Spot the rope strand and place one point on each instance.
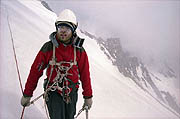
(15, 57)
(16, 62)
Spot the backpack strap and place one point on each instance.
(53, 60)
(75, 62)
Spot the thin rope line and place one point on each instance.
(15, 57)
(16, 62)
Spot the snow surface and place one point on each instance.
(115, 96)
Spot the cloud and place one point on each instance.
(148, 29)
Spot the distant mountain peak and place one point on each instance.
(132, 67)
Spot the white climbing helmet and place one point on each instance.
(67, 16)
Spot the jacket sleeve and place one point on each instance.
(83, 65)
(36, 72)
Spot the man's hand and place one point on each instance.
(88, 102)
(25, 101)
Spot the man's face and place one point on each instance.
(64, 33)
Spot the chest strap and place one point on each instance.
(53, 61)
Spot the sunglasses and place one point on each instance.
(64, 24)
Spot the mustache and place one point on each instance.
(63, 34)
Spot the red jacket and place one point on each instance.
(63, 53)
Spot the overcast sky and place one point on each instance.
(149, 29)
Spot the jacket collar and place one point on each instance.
(52, 37)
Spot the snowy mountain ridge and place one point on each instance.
(115, 96)
(133, 68)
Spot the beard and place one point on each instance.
(64, 38)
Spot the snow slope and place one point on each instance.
(115, 97)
